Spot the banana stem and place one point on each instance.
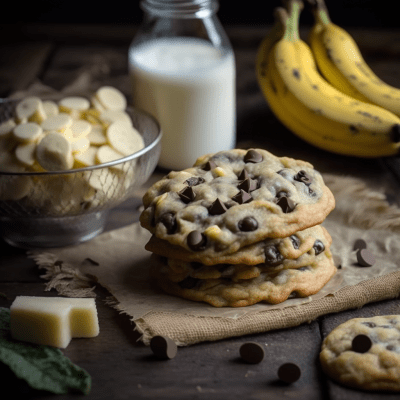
(320, 11)
(294, 8)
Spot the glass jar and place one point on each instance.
(183, 72)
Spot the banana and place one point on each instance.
(340, 61)
(312, 108)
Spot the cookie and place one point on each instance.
(234, 198)
(268, 251)
(376, 368)
(270, 286)
(180, 270)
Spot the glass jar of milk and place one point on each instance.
(183, 73)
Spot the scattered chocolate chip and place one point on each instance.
(361, 344)
(272, 255)
(242, 197)
(295, 241)
(188, 283)
(365, 258)
(187, 194)
(318, 247)
(302, 176)
(252, 352)
(287, 204)
(360, 244)
(209, 165)
(169, 221)
(248, 185)
(163, 347)
(289, 373)
(217, 207)
(196, 240)
(243, 175)
(253, 156)
(248, 224)
(195, 180)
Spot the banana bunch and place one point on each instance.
(310, 106)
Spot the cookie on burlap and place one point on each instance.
(268, 251)
(234, 198)
(270, 287)
(375, 369)
(276, 261)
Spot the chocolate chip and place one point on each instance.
(318, 247)
(243, 175)
(209, 165)
(188, 283)
(195, 180)
(360, 244)
(248, 224)
(365, 258)
(302, 176)
(252, 352)
(295, 241)
(163, 347)
(169, 221)
(196, 240)
(272, 255)
(187, 194)
(242, 197)
(248, 185)
(217, 207)
(289, 373)
(390, 347)
(361, 344)
(253, 156)
(287, 204)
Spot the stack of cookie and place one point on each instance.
(240, 227)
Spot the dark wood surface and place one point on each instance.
(121, 367)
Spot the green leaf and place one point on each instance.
(42, 367)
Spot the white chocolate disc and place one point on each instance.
(111, 98)
(57, 122)
(50, 108)
(97, 136)
(80, 145)
(30, 109)
(54, 152)
(7, 127)
(86, 158)
(25, 153)
(27, 132)
(110, 116)
(80, 129)
(74, 103)
(124, 139)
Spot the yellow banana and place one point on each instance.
(319, 113)
(341, 63)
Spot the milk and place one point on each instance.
(189, 87)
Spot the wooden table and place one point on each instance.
(121, 367)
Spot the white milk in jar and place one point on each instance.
(189, 86)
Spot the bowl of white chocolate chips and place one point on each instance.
(65, 164)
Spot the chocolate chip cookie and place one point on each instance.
(269, 286)
(364, 353)
(234, 198)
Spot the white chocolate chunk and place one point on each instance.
(50, 108)
(58, 122)
(54, 152)
(27, 132)
(7, 127)
(30, 110)
(126, 140)
(25, 153)
(111, 98)
(86, 158)
(97, 136)
(53, 321)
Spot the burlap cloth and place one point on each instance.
(117, 261)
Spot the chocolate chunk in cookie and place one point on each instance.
(169, 221)
(243, 175)
(248, 185)
(361, 343)
(272, 255)
(248, 224)
(217, 207)
(209, 165)
(242, 197)
(302, 176)
(196, 241)
(195, 180)
(318, 247)
(187, 194)
(286, 203)
(253, 156)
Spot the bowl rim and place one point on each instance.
(131, 157)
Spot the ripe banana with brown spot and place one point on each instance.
(340, 61)
(312, 108)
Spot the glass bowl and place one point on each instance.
(57, 209)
